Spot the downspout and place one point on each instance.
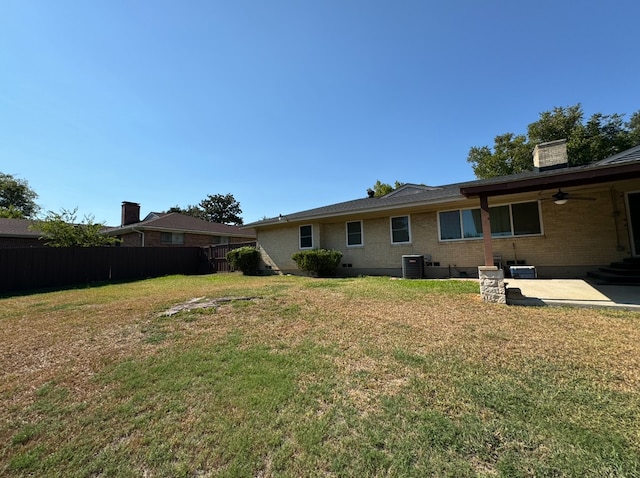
(141, 235)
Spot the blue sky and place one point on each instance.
(288, 105)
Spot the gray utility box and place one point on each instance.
(412, 267)
(523, 272)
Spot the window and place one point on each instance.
(521, 219)
(500, 221)
(450, 227)
(400, 230)
(471, 223)
(526, 219)
(354, 233)
(306, 237)
(172, 238)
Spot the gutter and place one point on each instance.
(141, 235)
(352, 212)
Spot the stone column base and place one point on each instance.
(492, 284)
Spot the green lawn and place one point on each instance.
(314, 377)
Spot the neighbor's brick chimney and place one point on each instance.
(130, 213)
(551, 155)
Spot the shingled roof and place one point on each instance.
(430, 195)
(176, 222)
(416, 195)
(629, 155)
(17, 228)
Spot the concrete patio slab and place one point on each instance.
(571, 292)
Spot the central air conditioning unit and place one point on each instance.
(412, 266)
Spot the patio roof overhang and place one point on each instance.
(569, 178)
(553, 179)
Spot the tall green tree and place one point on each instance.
(597, 138)
(511, 154)
(17, 199)
(634, 128)
(220, 208)
(382, 189)
(63, 230)
(190, 210)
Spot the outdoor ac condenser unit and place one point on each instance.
(412, 267)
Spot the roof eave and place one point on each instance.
(20, 235)
(128, 229)
(565, 179)
(354, 212)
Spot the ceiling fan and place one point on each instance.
(562, 197)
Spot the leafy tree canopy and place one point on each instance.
(63, 230)
(17, 199)
(220, 208)
(597, 138)
(382, 189)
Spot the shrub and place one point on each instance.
(245, 259)
(321, 262)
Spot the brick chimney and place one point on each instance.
(130, 213)
(551, 155)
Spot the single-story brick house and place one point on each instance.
(17, 233)
(565, 221)
(174, 230)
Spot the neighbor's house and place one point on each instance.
(564, 221)
(18, 233)
(174, 230)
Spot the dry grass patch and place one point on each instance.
(344, 377)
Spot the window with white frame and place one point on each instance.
(519, 219)
(306, 237)
(400, 230)
(176, 238)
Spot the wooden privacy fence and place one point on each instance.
(44, 267)
(217, 255)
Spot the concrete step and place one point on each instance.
(602, 278)
(619, 271)
(626, 265)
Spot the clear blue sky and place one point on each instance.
(288, 104)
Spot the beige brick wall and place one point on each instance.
(579, 234)
(277, 245)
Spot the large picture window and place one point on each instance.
(306, 237)
(354, 233)
(520, 219)
(400, 230)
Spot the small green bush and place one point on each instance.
(321, 262)
(246, 259)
